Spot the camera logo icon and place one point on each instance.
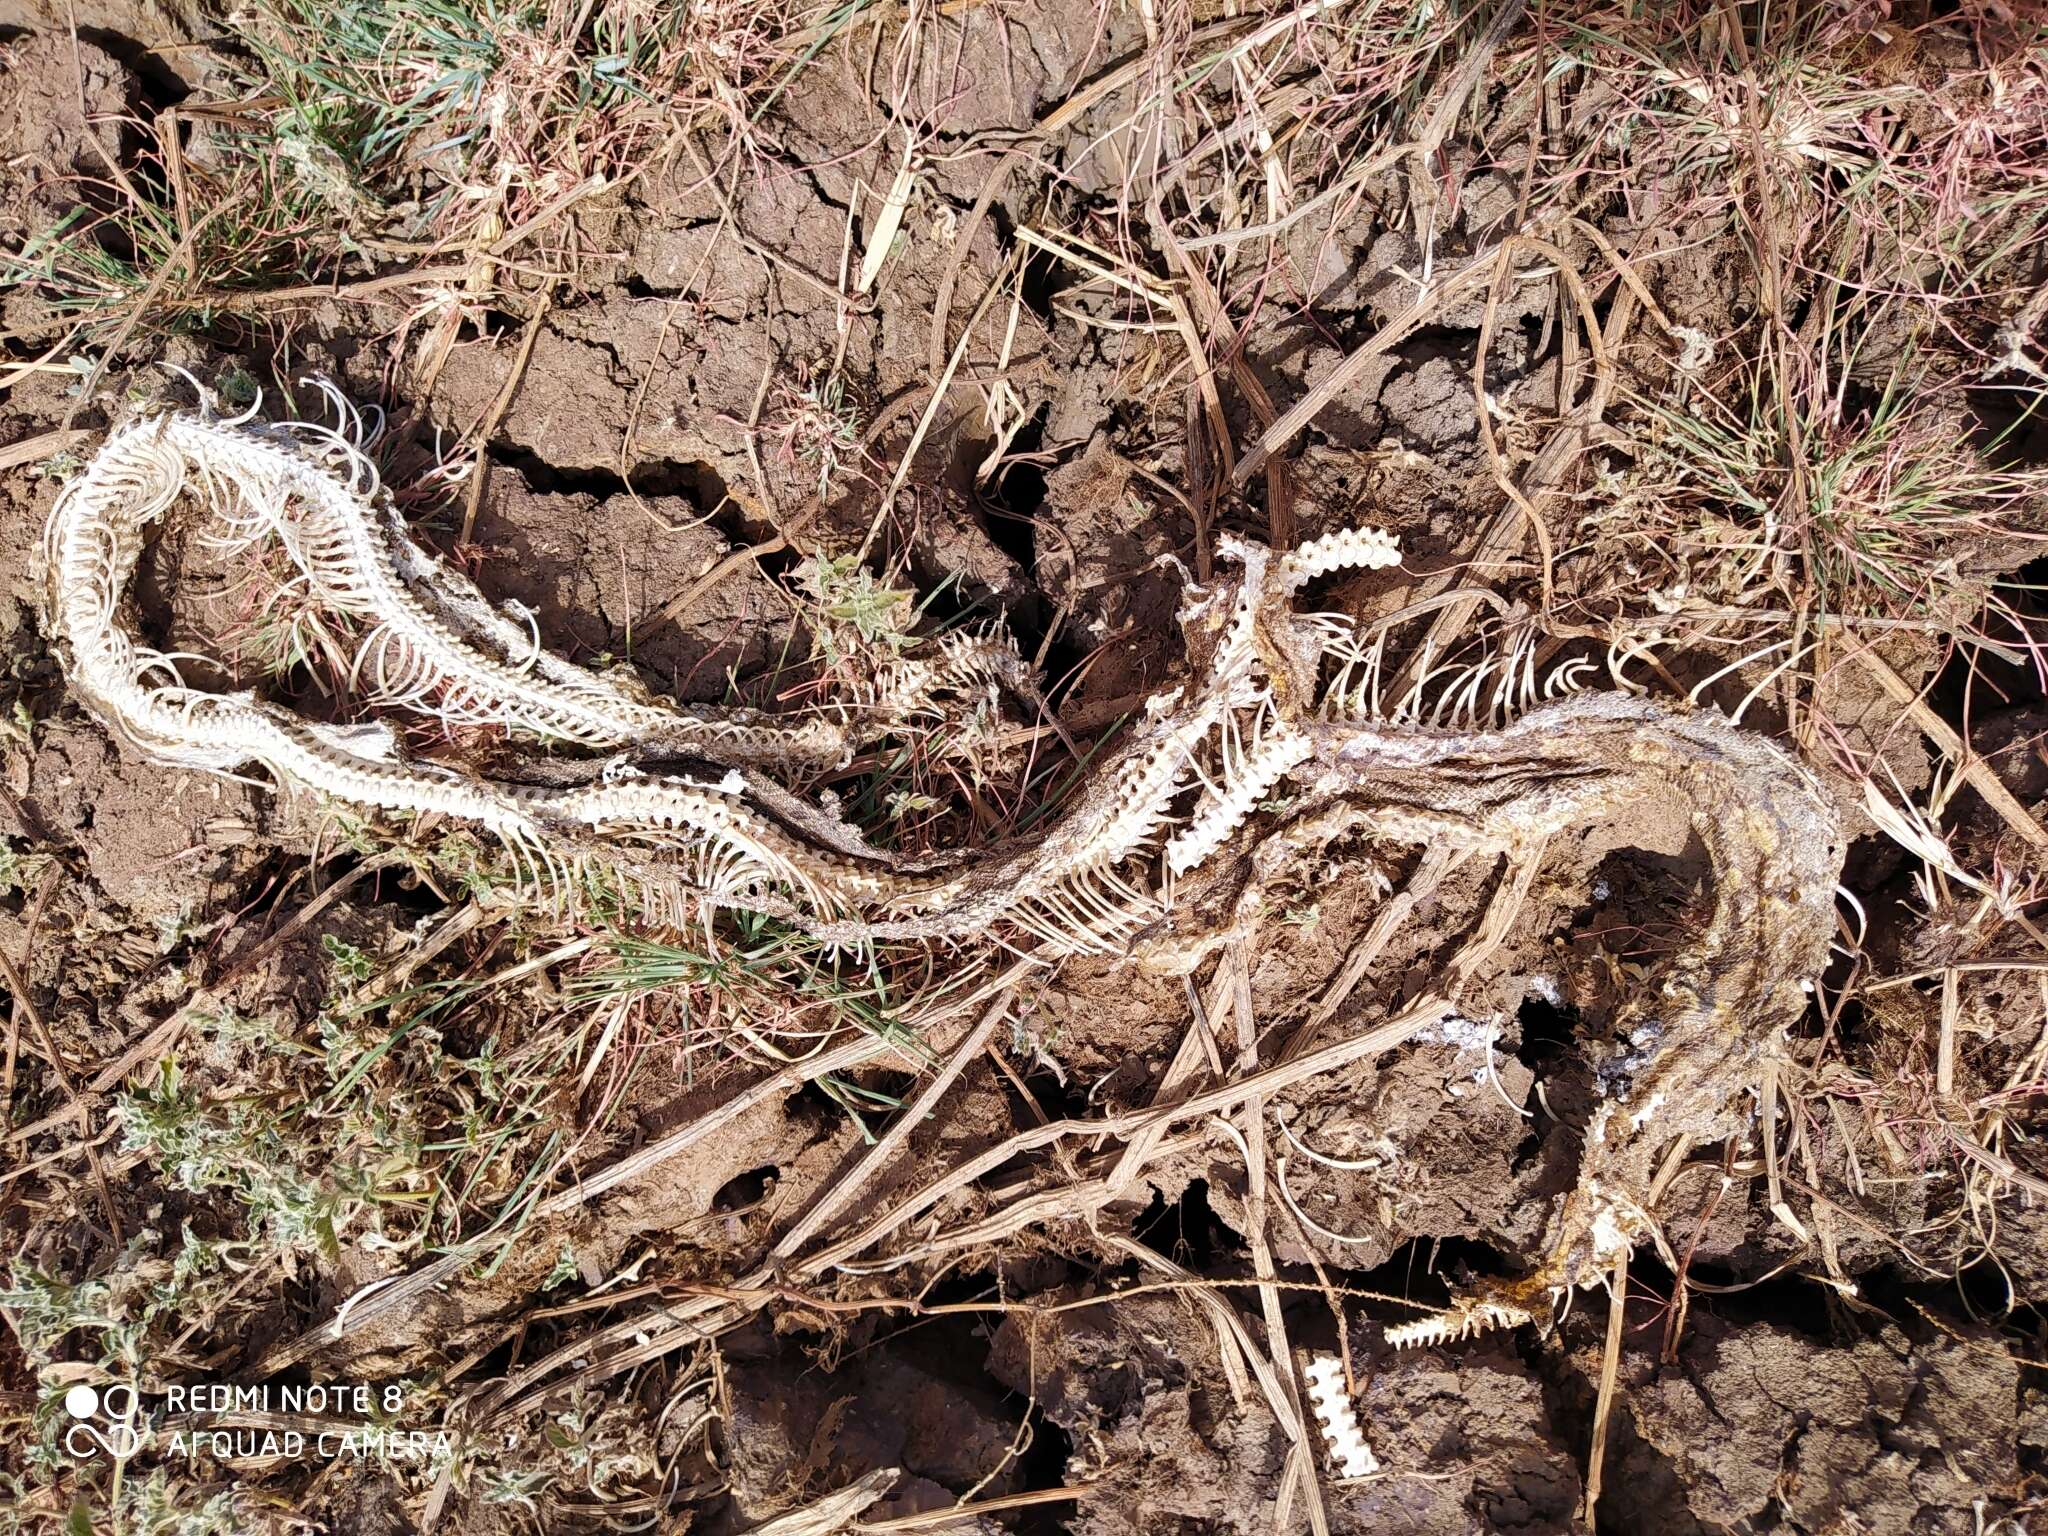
(104, 1421)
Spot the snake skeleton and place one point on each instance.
(684, 808)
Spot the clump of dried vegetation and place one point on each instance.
(1745, 307)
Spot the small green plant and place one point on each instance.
(21, 871)
(351, 965)
(45, 1310)
(599, 1446)
(566, 1269)
(240, 226)
(518, 1486)
(278, 626)
(241, 1147)
(819, 425)
(592, 1448)
(58, 468)
(485, 111)
(1863, 507)
(160, 1505)
(855, 606)
(118, 1309)
(765, 981)
(374, 121)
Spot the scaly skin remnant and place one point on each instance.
(1254, 724)
(1700, 1034)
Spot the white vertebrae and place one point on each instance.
(1346, 549)
(1461, 1320)
(1349, 1453)
(431, 643)
(1250, 781)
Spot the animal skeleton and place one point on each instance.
(1274, 698)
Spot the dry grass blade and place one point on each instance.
(1446, 287)
(713, 1018)
(1603, 1409)
(1976, 772)
(834, 1200)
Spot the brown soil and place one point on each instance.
(643, 427)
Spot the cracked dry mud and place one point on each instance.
(632, 464)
